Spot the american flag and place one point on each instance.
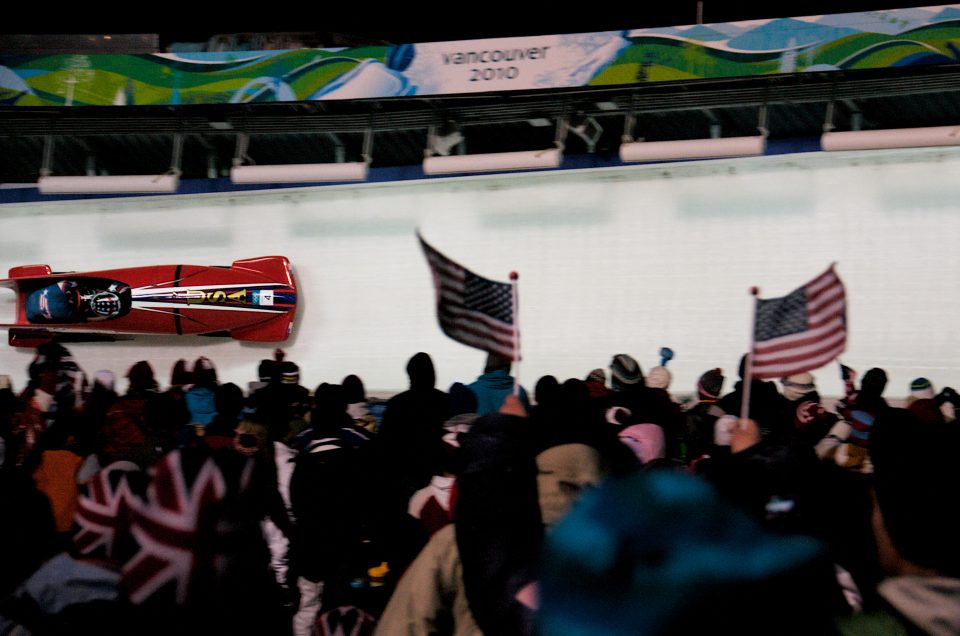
(801, 331)
(473, 310)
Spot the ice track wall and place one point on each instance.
(610, 260)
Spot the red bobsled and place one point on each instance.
(254, 299)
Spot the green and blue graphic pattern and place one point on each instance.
(848, 42)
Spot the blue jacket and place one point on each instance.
(200, 403)
(492, 388)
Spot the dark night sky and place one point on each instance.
(428, 20)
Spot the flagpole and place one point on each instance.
(516, 334)
(748, 363)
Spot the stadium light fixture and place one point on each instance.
(110, 184)
(546, 158)
(890, 138)
(164, 183)
(494, 162)
(639, 151)
(713, 147)
(299, 172)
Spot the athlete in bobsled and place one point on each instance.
(68, 301)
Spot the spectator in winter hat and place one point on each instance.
(624, 371)
(597, 384)
(798, 386)
(702, 417)
(811, 421)
(659, 378)
(294, 394)
(289, 372)
(626, 382)
(921, 389)
(710, 385)
(923, 403)
(631, 401)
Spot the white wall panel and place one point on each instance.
(610, 260)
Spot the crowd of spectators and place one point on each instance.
(599, 505)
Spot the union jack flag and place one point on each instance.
(176, 528)
(104, 506)
(345, 620)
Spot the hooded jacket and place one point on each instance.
(412, 426)
(492, 388)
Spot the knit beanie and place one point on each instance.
(289, 373)
(625, 370)
(659, 378)
(597, 375)
(710, 384)
(921, 389)
(796, 386)
(596, 383)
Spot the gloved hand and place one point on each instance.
(948, 394)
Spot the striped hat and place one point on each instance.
(289, 373)
(921, 389)
(710, 384)
(625, 370)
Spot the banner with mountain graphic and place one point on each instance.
(847, 42)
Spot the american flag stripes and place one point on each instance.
(801, 331)
(471, 309)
